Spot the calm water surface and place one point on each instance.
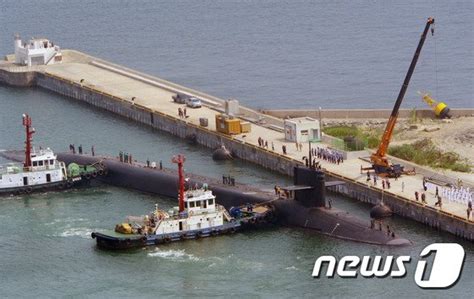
(264, 53)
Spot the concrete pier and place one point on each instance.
(147, 100)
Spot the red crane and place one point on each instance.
(179, 159)
(29, 138)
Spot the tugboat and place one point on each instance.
(41, 170)
(197, 216)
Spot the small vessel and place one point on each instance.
(41, 170)
(197, 216)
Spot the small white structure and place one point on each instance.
(38, 51)
(302, 129)
(232, 107)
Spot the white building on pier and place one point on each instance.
(38, 51)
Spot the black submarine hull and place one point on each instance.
(309, 213)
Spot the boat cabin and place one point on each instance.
(199, 200)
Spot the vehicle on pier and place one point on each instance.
(41, 170)
(197, 216)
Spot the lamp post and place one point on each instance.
(320, 123)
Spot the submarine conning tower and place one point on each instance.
(309, 189)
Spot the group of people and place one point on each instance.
(228, 180)
(72, 149)
(459, 195)
(299, 146)
(125, 157)
(385, 182)
(326, 154)
(281, 193)
(264, 143)
(422, 196)
(182, 112)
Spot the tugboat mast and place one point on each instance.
(29, 139)
(179, 159)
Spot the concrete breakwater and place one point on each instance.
(81, 81)
(164, 122)
(417, 211)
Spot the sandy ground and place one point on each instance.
(456, 135)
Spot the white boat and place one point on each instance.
(40, 170)
(45, 171)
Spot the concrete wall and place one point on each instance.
(362, 113)
(19, 79)
(428, 215)
(175, 126)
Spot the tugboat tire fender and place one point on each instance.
(94, 174)
(213, 232)
(101, 172)
(93, 235)
(166, 239)
(29, 190)
(87, 176)
(69, 184)
(62, 185)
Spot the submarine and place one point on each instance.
(305, 204)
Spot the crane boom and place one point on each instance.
(378, 158)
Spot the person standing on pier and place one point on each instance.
(469, 209)
(180, 112)
(439, 202)
(184, 112)
(375, 180)
(130, 159)
(403, 186)
(283, 148)
(273, 146)
(368, 177)
(121, 156)
(423, 198)
(148, 163)
(80, 149)
(383, 184)
(416, 195)
(388, 183)
(93, 151)
(161, 165)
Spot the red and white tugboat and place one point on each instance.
(40, 170)
(198, 215)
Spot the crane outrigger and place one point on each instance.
(379, 160)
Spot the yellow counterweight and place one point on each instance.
(440, 109)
